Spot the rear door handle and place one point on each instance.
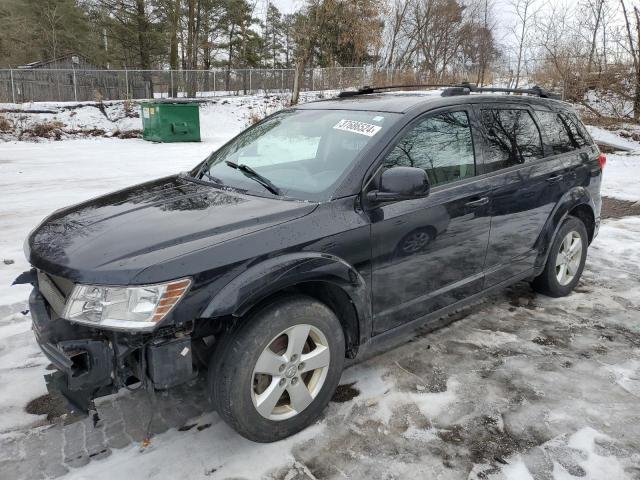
(555, 178)
(477, 203)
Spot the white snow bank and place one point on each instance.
(621, 177)
(611, 139)
(220, 117)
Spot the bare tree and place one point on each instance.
(53, 22)
(525, 11)
(596, 8)
(633, 48)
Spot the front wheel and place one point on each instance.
(274, 375)
(566, 260)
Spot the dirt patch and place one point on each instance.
(51, 405)
(521, 295)
(606, 149)
(546, 341)
(486, 442)
(345, 393)
(128, 134)
(419, 374)
(614, 208)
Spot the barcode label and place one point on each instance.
(354, 126)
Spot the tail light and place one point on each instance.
(602, 160)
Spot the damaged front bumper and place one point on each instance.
(92, 362)
(84, 360)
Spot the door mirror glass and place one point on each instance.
(401, 183)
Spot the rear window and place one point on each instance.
(556, 132)
(513, 138)
(577, 133)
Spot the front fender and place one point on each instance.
(570, 200)
(278, 273)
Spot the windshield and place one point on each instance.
(301, 154)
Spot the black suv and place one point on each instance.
(307, 239)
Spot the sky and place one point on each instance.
(287, 6)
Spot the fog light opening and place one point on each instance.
(79, 362)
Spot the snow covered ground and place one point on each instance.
(521, 387)
(68, 120)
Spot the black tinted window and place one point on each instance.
(556, 131)
(513, 138)
(578, 135)
(441, 144)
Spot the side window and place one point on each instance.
(513, 138)
(556, 132)
(441, 144)
(579, 136)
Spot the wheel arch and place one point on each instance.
(585, 213)
(323, 277)
(576, 202)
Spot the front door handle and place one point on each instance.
(477, 203)
(555, 178)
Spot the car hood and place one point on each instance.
(110, 239)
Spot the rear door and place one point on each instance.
(429, 253)
(526, 186)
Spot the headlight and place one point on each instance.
(135, 308)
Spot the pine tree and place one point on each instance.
(272, 37)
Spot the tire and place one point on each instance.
(551, 281)
(243, 396)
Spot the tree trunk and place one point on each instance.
(522, 40)
(636, 98)
(230, 58)
(298, 80)
(191, 35)
(143, 47)
(634, 55)
(592, 51)
(173, 46)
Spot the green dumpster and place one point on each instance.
(171, 121)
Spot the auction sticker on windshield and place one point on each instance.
(354, 126)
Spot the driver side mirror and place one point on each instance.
(400, 183)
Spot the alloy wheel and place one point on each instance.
(568, 258)
(290, 372)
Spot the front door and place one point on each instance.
(429, 253)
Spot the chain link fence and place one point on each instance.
(42, 85)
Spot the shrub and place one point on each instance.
(47, 129)
(5, 124)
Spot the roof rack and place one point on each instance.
(367, 90)
(451, 90)
(470, 87)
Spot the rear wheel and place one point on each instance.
(566, 260)
(274, 375)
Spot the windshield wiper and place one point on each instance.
(251, 173)
(211, 177)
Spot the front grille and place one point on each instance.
(52, 293)
(64, 285)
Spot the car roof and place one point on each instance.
(404, 102)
